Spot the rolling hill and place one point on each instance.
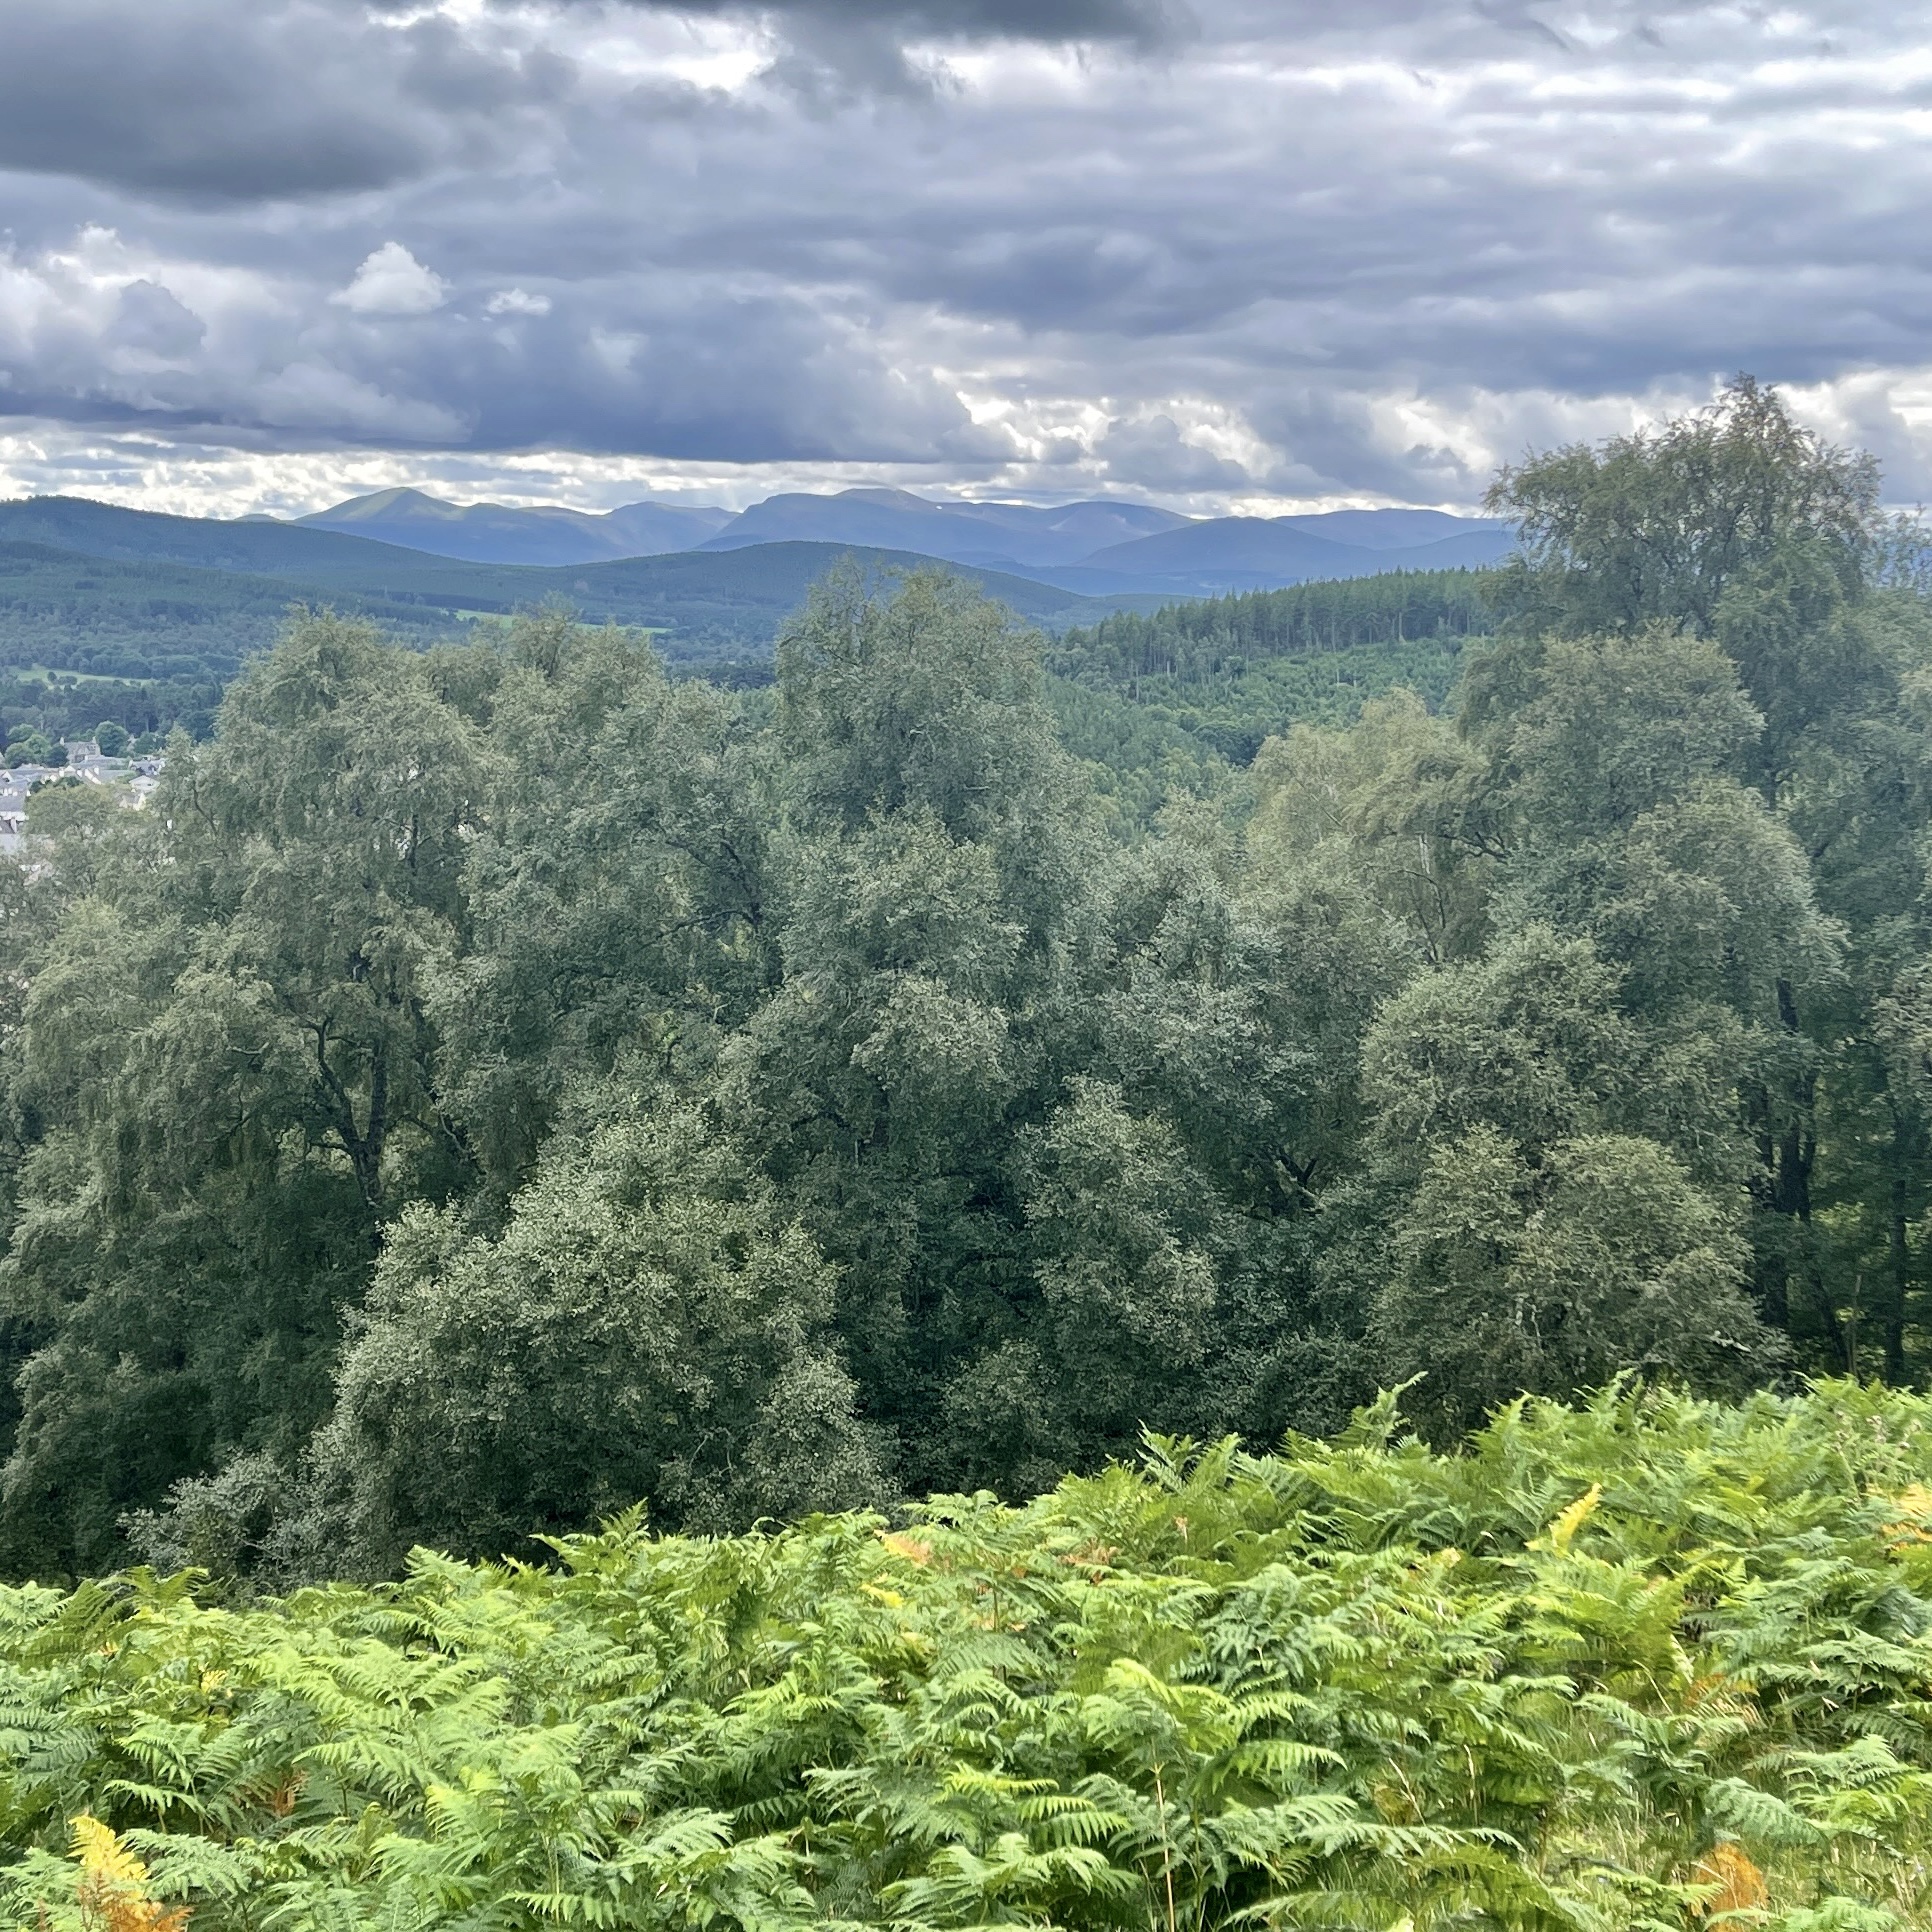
(1265, 553)
(111, 592)
(256, 545)
(1392, 529)
(502, 533)
(740, 595)
(117, 618)
(1011, 536)
(1094, 548)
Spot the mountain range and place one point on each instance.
(1097, 549)
(106, 591)
(500, 533)
(98, 590)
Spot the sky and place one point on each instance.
(1224, 255)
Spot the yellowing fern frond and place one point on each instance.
(112, 1887)
(1569, 1521)
(1737, 1884)
(1912, 1514)
(103, 1859)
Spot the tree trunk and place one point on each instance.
(1898, 1272)
(1796, 1154)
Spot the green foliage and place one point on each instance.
(1639, 1664)
(226, 1059)
(132, 621)
(1190, 641)
(645, 1327)
(1155, 701)
(1515, 1273)
(1730, 510)
(1403, 804)
(66, 704)
(30, 747)
(617, 889)
(494, 1083)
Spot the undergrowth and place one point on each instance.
(1647, 1662)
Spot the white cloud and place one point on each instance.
(392, 281)
(517, 301)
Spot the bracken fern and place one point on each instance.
(1647, 1662)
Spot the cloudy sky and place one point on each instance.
(1219, 254)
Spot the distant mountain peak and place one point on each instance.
(545, 534)
(881, 493)
(379, 502)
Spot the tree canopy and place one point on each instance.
(490, 1085)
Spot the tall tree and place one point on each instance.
(647, 1328)
(936, 866)
(1734, 502)
(230, 1065)
(1737, 526)
(616, 889)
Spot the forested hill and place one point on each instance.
(127, 630)
(1215, 679)
(178, 586)
(248, 546)
(1189, 641)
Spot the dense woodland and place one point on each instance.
(495, 1085)
(150, 624)
(1208, 683)
(142, 620)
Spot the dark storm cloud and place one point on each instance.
(770, 378)
(241, 102)
(1051, 21)
(830, 53)
(1246, 245)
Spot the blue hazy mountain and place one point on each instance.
(996, 535)
(1099, 548)
(507, 534)
(1175, 558)
(1394, 529)
(989, 535)
(1222, 554)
